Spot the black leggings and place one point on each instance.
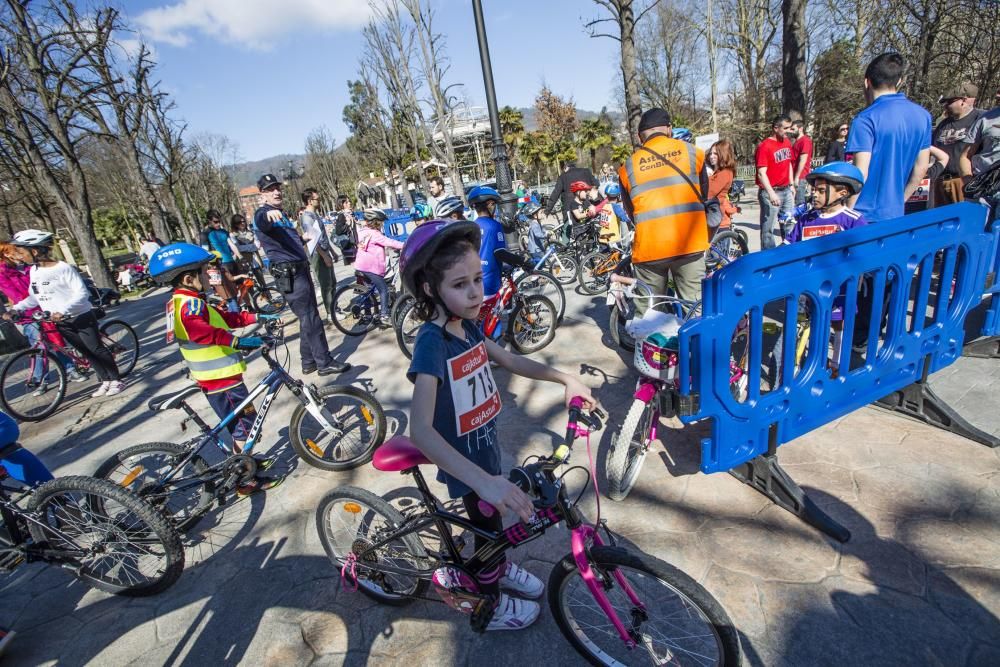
(489, 580)
(81, 332)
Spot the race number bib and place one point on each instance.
(473, 390)
(170, 321)
(816, 231)
(214, 276)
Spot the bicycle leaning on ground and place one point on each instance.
(615, 606)
(333, 428)
(33, 381)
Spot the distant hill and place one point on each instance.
(247, 173)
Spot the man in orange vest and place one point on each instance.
(663, 189)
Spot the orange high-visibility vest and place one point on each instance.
(669, 217)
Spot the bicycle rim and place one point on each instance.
(532, 324)
(677, 630)
(121, 340)
(355, 309)
(20, 392)
(406, 330)
(358, 427)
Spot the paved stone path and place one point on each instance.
(918, 584)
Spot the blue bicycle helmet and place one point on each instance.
(172, 260)
(843, 173)
(683, 134)
(483, 193)
(613, 190)
(448, 206)
(9, 430)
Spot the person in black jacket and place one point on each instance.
(570, 174)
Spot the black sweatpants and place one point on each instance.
(489, 581)
(81, 332)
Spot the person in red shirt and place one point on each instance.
(775, 184)
(802, 155)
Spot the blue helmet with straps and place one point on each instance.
(613, 190)
(172, 260)
(483, 193)
(683, 134)
(843, 173)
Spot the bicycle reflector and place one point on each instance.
(353, 508)
(316, 449)
(129, 478)
(367, 414)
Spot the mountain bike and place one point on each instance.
(107, 537)
(357, 305)
(530, 277)
(559, 262)
(595, 269)
(657, 392)
(333, 428)
(528, 321)
(33, 381)
(614, 605)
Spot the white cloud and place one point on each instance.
(251, 23)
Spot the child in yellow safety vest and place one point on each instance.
(207, 343)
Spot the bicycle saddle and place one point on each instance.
(361, 278)
(171, 401)
(398, 453)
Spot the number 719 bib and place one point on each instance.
(473, 390)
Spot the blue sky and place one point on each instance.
(229, 64)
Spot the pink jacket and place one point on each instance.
(14, 284)
(371, 250)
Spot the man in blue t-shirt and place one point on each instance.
(485, 200)
(890, 141)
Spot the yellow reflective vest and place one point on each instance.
(206, 362)
(668, 215)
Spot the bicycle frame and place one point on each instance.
(12, 514)
(552, 509)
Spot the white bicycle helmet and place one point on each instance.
(32, 238)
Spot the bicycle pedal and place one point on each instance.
(483, 613)
(10, 559)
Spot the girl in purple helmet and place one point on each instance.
(456, 399)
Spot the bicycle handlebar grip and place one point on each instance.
(576, 403)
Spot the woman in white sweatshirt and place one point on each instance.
(56, 287)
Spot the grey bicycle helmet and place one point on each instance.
(375, 214)
(448, 206)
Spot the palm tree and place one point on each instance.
(534, 151)
(620, 153)
(592, 135)
(512, 129)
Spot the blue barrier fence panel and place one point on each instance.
(991, 325)
(922, 273)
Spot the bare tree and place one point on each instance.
(622, 14)
(748, 33)
(794, 41)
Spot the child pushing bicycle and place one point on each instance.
(456, 400)
(207, 343)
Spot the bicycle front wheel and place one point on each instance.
(355, 309)
(726, 247)
(628, 450)
(350, 521)
(118, 543)
(678, 622)
(358, 427)
(120, 338)
(594, 272)
(141, 468)
(563, 267)
(619, 334)
(544, 284)
(532, 324)
(407, 328)
(268, 301)
(33, 384)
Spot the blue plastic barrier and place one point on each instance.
(991, 325)
(901, 260)
(395, 226)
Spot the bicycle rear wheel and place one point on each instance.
(544, 284)
(355, 309)
(119, 543)
(407, 328)
(25, 398)
(679, 622)
(120, 338)
(358, 428)
(349, 521)
(532, 324)
(726, 247)
(140, 469)
(268, 301)
(628, 450)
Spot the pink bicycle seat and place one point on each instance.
(398, 453)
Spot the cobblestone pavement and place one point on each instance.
(918, 584)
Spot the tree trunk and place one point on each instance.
(793, 57)
(630, 76)
(712, 76)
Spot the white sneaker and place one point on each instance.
(42, 388)
(115, 387)
(513, 614)
(521, 582)
(102, 390)
(74, 376)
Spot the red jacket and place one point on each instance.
(194, 317)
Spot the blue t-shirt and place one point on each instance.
(894, 130)
(278, 239)
(219, 240)
(493, 239)
(463, 372)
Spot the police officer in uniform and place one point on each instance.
(290, 268)
(664, 184)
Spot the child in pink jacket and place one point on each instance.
(371, 258)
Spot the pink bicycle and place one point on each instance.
(614, 605)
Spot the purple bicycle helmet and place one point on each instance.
(426, 239)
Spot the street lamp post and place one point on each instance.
(508, 200)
